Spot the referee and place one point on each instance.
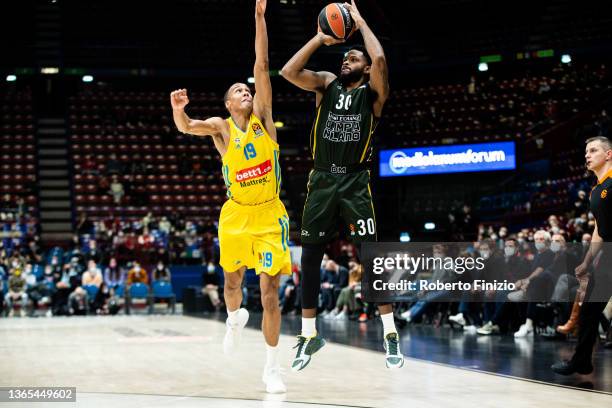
(598, 160)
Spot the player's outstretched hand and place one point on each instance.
(355, 15)
(260, 7)
(179, 99)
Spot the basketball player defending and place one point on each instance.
(253, 225)
(348, 109)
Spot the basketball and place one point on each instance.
(335, 20)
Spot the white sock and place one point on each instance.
(232, 317)
(388, 323)
(529, 323)
(272, 356)
(309, 327)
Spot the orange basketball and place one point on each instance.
(335, 20)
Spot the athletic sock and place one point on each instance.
(232, 317)
(309, 328)
(272, 356)
(388, 323)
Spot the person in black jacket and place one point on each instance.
(512, 267)
(335, 277)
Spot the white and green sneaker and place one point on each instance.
(394, 358)
(306, 347)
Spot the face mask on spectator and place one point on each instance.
(160, 267)
(555, 246)
(586, 244)
(509, 251)
(520, 240)
(555, 230)
(540, 245)
(137, 268)
(211, 268)
(485, 254)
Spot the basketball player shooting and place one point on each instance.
(253, 225)
(348, 108)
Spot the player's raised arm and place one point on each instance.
(379, 72)
(262, 102)
(209, 127)
(294, 70)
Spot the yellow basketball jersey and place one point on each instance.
(251, 166)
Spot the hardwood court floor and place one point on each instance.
(163, 361)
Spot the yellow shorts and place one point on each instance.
(255, 236)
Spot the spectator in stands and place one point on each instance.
(89, 165)
(103, 185)
(39, 293)
(91, 251)
(471, 301)
(93, 275)
(100, 303)
(16, 292)
(116, 190)
(114, 276)
(78, 302)
(335, 277)
(289, 296)
(543, 260)
(439, 274)
(137, 275)
(84, 225)
(581, 204)
(471, 88)
(210, 285)
(161, 273)
(512, 268)
(113, 166)
(346, 304)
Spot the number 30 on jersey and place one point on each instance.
(344, 101)
(366, 227)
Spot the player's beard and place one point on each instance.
(350, 77)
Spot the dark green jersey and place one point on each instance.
(341, 136)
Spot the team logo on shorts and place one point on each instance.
(604, 193)
(257, 129)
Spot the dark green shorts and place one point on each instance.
(334, 196)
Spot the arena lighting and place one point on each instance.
(566, 58)
(483, 66)
(404, 237)
(87, 78)
(279, 124)
(11, 78)
(251, 80)
(49, 70)
(430, 226)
